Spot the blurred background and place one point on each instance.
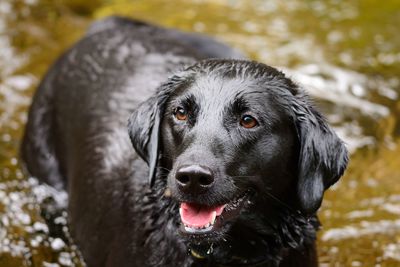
(345, 53)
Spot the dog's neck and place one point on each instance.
(287, 230)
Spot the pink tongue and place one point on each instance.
(198, 215)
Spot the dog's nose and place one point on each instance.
(194, 178)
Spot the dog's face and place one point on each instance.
(227, 144)
(234, 137)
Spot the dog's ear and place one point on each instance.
(144, 124)
(323, 156)
(143, 129)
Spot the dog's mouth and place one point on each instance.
(202, 219)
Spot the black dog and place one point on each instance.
(238, 156)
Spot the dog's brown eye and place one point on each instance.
(180, 114)
(248, 121)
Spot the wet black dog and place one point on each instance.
(237, 156)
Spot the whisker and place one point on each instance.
(163, 168)
(282, 202)
(239, 176)
(277, 199)
(165, 155)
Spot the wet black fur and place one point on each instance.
(77, 139)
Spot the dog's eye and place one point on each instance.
(248, 121)
(180, 114)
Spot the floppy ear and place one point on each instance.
(143, 129)
(144, 124)
(323, 156)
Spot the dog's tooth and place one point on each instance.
(180, 212)
(189, 229)
(167, 192)
(214, 216)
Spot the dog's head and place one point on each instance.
(237, 137)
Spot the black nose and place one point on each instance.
(194, 178)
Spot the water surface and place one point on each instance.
(345, 53)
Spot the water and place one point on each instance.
(345, 53)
